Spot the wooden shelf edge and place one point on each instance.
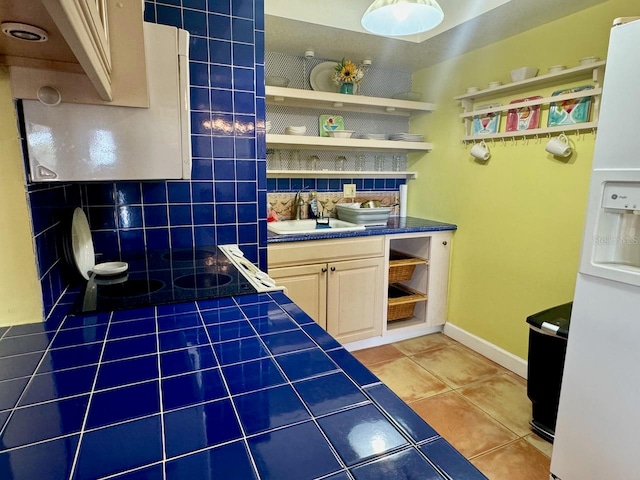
(533, 132)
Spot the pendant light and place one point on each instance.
(402, 17)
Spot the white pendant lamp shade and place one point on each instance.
(402, 17)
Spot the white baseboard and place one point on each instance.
(508, 360)
(391, 336)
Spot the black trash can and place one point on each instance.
(548, 335)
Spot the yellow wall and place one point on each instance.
(521, 215)
(20, 298)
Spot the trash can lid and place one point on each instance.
(554, 321)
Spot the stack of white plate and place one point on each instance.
(374, 136)
(407, 137)
(267, 126)
(292, 130)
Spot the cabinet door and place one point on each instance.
(355, 297)
(307, 287)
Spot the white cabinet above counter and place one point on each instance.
(95, 55)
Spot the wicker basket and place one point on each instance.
(402, 265)
(401, 302)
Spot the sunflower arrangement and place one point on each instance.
(348, 72)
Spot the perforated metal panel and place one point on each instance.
(377, 82)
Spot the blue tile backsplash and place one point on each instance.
(225, 200)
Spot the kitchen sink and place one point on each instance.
(297, 227)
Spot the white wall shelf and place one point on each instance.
(539, 132)
(305, 142)
(293, 97)
(593, 71)
(564, 76)
(530, 103)
(337, 174)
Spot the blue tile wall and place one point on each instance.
(51, 209)
(275, 185)
(225, 200)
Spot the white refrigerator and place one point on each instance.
(598, 428)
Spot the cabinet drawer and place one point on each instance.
(329, 250)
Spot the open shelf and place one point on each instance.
(293, 97)
(330, 143)
(564, 76)
(577, 127)
(592, 71)
(530, 103)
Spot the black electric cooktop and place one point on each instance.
(159, 277)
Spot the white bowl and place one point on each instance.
(557, 68)
(273, 81)
(523, 73)
(473, 89)
(495, 84)
(588, 60)
(340, 133)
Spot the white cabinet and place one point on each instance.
(107, 39)
(593, 71)
(345, 297)
(354, 303)
(343, 284)
(430, 278)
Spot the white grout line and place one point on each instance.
(233, 405)
(86, 413)
(304, 404)
(162, 426)
(31, 376)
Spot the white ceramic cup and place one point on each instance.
(556, 68)
(559, 146)
(480, 151)
(588, 60)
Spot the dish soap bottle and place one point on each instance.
(313, 205)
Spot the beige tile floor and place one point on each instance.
(481, 408)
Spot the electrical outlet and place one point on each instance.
(349, 190)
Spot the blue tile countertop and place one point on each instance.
(244, 387)
(394, 225)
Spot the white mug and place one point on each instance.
(559, 146)
(481, 151)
